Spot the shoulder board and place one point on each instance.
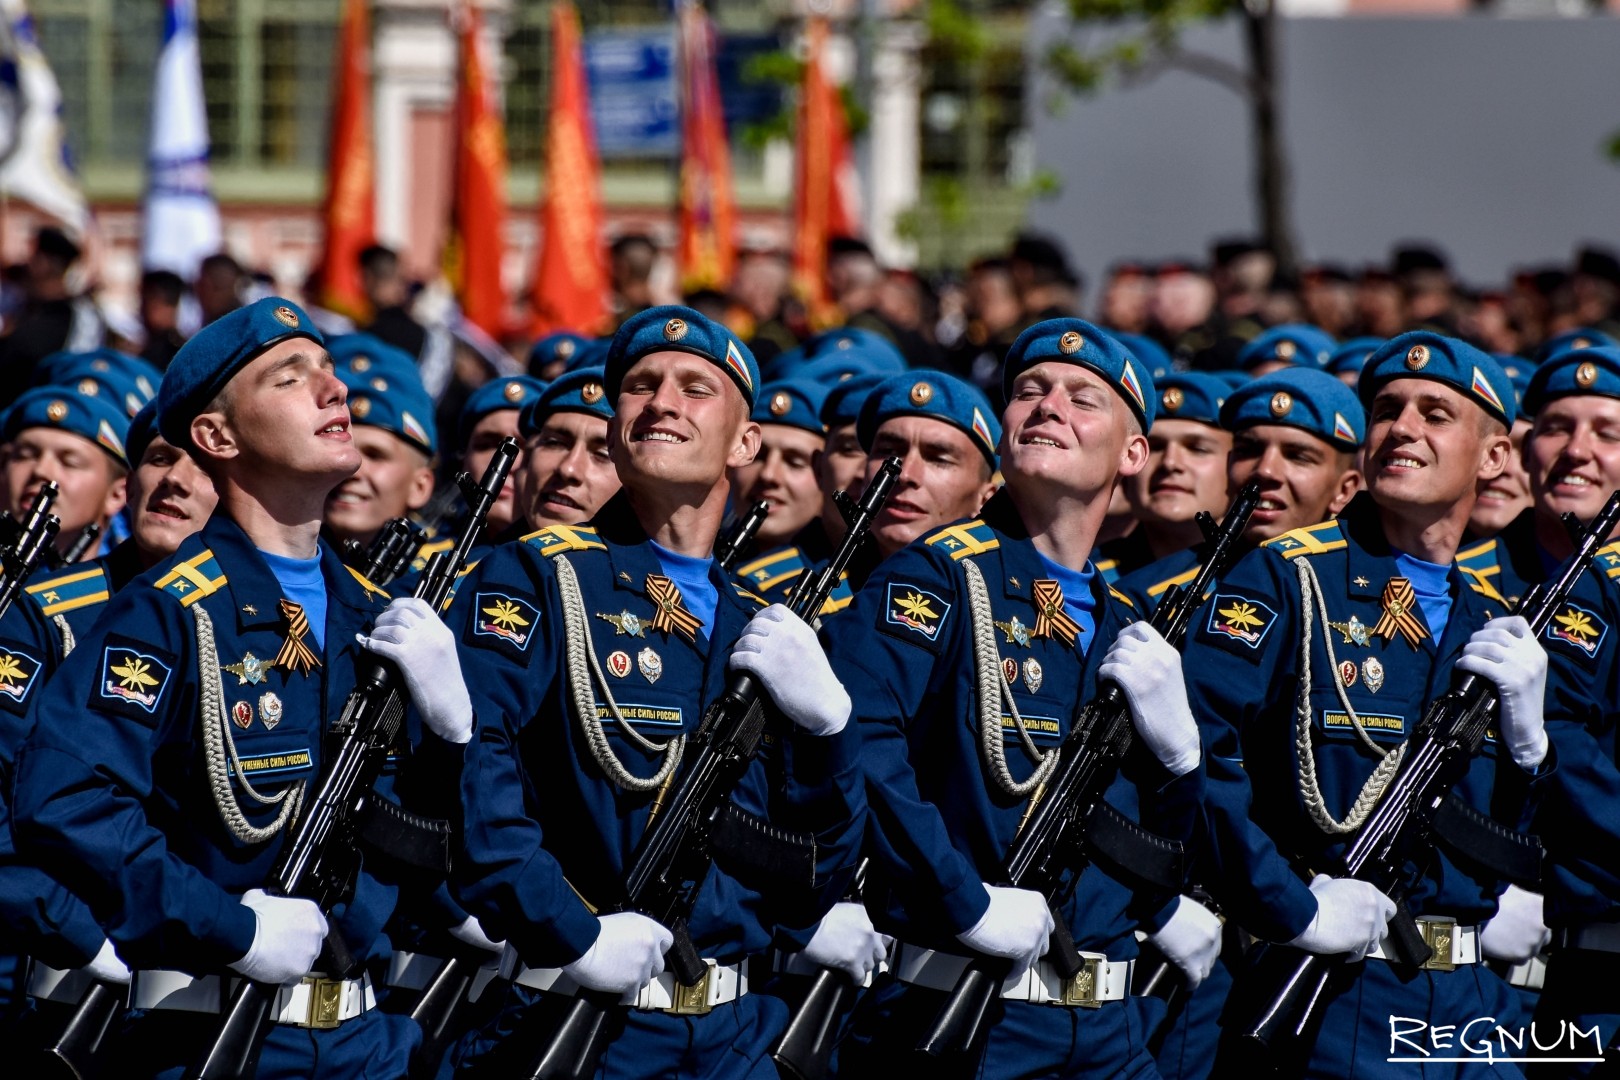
(1485, 589)
(433, 547)
(771, 570)
(968, 538)
(190, 581)
(751, 597)
(70, 590)
(1480, 555)
(1608, 559)
(1311, 540)
(1180, 579)
(1108, 568)
(557, 539)
(366, 583)
(1121, 597)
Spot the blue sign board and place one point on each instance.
(634, 100)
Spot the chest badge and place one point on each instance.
(242, 715)
(672, 615)
(1578, 627)
(1355, 631)
(650, 664)
(1033, 675)
(618, 663)
(1050, 618)
(1400, 613)
(250, 671)
(1347, 672)
(1017, 633)
(625, 623)
(1009, 669)
(270, 709)
(1372, 672)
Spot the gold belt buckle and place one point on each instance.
(325, 1003)
(1082, 991)
(1438, 935)
(693, 1000)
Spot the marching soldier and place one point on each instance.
(1314, 662)
(167, 760)
(491, 415)
(1289, 345)
(789, 417)
(394, 432)
(974, 647)
(568, 474)
(56, 433)
(592, 651)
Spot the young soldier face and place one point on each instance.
(1302, 479)
(92, 484)
(1573, 455)
(481, 446)
(286, 415)
(841, 466)
(943, 477)
(679, 421)
(1186, 472)
(1066, 428)
(393, 477)
(783, 474)
(169, 498)
(1428, 446)
(1503, 499)
(568, 472)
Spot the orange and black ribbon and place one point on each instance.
(1400, 613)
(294, 654)
(670, 613)
(1050, 618)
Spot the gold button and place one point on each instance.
(922, 394)
(1281, 402)
(1286, 349)
(564, 349)
(361, 364)
(1070, 343)
(1417, 357)
(1581, 343)
(287, 316)
(380, 384)
(88, 387)
(675, 329)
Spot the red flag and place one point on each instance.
(825, 190)
(571, 279)
(349, 211)
(472, 254)
(708, 214)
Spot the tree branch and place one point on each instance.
(1216, 70)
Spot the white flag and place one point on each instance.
(34, 162)
(181, 225)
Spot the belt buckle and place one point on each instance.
(325, 1003)
(1439, 934)
(693, 1000)
(1084, 989)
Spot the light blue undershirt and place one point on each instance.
(1077, 598)
(302, 583)
(1429, 582)
(691, 576)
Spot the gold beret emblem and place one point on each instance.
(1173, 397)
(513, 391)
(675, 329)
(379, 384)
(846, 343)
(565, 349)
(922, 394)
(287, 317)
(1581, 343)
(591, 393)
(1070, 343)
(88, 387)
(100, 365)
(1286, 350)
(1417, 357)
(361, 364)
(1281, 402)
(360, 407)
(56, 411)
(1586, 374)
(780, 403)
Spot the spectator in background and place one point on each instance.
(1380, 305)
(1127, 299)
(219, 286)
(161, 292)
(1048, 287)
(994, 317)
(1596, 287)
(1488, 322)
(761, 288)
(1425, 281)
(631, 260)
(389, 294)
(1329, 297)
(45, 321)
(1183, 311)
(1242, 273)
(856, 282)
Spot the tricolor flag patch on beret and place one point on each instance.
(1342, 428)
(413, 428)
(106, 436)
(1482, 387)
(981, 428)
(1128, 379)
(735, 362)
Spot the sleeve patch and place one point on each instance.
(1234, 618)
(1579, 629)
(134, 676)
(912, 610)
(503, 620)
(19, 669)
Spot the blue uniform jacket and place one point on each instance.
(112, 790)
(940, 826)
(1243, 674)
(1144, 587)
(774, 574)
(545, 830)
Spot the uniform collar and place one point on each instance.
(1371, 564)
(254, 592)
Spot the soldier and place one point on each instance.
(168, 827)
(393, 429)
(789, 417)
(128, 381)
(568, 474)
(1314, 662)
(77, 440)
(974, 647)
(1350, 357)
(592, 651)
(491, 415)
(1290, 345)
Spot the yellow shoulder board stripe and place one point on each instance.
(1311, 540)
(1105, 565)
(193, 579)
(835, 604)
(1484, 547)
(1484, 589)
(1121, 597)
(969, 538)
(366, 583)
(1609, 559)
(746, 595)
(765, 562)
(70, 591)
(433, 547)
(1180, 579)
(556, 539)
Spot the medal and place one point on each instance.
(1009, 669)
(1373, 672)
(1400, 613)
(1050, 618)
(1017, 633)
(1347, 673)
(624, 623)
(1355, 631)
(242, 715)
(270, 709)
(1033, 675)
(250, 671)
(618, 663)
(650, 665)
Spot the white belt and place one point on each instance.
(1530, 975)
(311, 1002)
(1098, 981)
(1452, 944)
(54, 984)
(414, 971)
(796, 963)
(720, 983)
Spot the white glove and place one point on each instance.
(106, 966)
(847, 942)
(1505, 652)
(1017, 925)
(780, 650)
(413, 636)
(472, 933)
(1351, 917)
(627, 955)
(287, 939)
(1148, 669)
(1516, 932)
(1191, 939)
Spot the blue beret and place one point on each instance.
(1424, 354)
(1594, 370)
(843, 402)
(1519, 371)
(1585, 337)
(65, 409)
(887, 356)
(573, 391)
(501, 392)
(142, 430)
(783, 364)
(1351, 356)
(127, 380)
(592, 354)
(398, 406)
(672, 328)
(1232, 377)
(202, 367)
(1292, 343)
(554, 347)
(1303, 398)
(1191, 395)
(791, 403)
(367, 355)
(937, 396)
(1150, 352)
(1075, 341)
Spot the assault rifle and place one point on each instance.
(319, 863)
(390, 552)
(26, 542)
(1064, 830)
(1286, 989)
(673, 858)
(728, 550)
